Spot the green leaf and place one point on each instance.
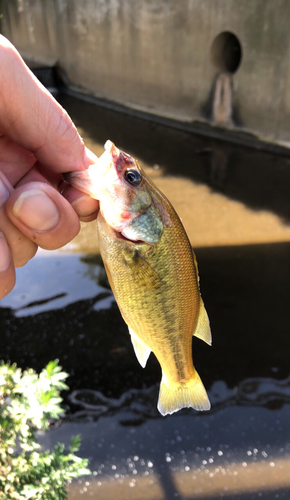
(27, 401)
(29, 491)
(75, 443)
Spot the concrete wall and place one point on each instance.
(158, 56)
(31, 25)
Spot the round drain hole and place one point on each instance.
(226, 52)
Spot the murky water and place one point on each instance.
(234, 203)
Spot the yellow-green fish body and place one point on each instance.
(153, 274)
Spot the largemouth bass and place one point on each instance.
(152, 271)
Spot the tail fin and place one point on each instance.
(191, 394)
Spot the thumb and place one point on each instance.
(42, 215)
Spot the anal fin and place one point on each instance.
(141, 350)
(202, 330)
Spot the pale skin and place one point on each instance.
(38, 142)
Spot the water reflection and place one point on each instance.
(132, 405)
(237, 453)
(88, 404)
(229, 198)
(264, 391)
(53, 280)
(62, 308)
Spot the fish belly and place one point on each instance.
(156, 288)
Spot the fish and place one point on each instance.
(152, 271)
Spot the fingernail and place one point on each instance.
(5, 258)
(36, 210)
(4, 193)
(85, 205)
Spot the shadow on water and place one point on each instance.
(258, 179)
(245, 288)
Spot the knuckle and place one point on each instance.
(23, 252)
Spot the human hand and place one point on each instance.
(38, 142)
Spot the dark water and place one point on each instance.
(62, 308)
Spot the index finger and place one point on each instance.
(31, 116)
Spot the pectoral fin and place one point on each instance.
(202, 330)
(144, 274)
(141, 350)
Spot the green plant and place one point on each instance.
(28, 402)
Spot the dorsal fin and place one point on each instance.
(202, 330)
(141, 350)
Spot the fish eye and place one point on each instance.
(133, 176)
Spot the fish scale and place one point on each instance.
(153, 274)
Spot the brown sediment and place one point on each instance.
(209, 217)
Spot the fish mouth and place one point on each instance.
(66, 177)
(120, 236)
(81, 181)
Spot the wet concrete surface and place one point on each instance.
(234, 203)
